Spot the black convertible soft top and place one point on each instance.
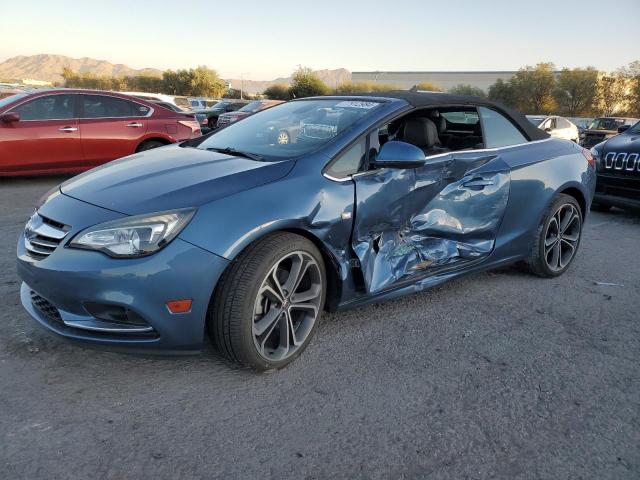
(435, 99)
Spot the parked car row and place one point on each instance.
(68, 131)
(208, 117)
(225, 119)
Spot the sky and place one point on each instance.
(266, 39)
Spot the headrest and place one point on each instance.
(421, 132)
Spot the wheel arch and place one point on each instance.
(332, 265)
(578, 195)
(154, 138)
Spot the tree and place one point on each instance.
(503, 92)
(534, 87)
(346, 88)
(277, 91)
(235, 94)
(305, 83)
(529, 90)
(632, 74)
(144, 83)
(576, 91)
(426, 86)
(205, 82)
(462, 89)
(198, 82)
(612, 96)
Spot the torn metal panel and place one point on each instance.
(409, 222)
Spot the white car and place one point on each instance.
(558, 127)
(154, 97)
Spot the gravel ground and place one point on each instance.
(497, 375)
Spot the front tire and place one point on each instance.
(557, 238)
(268, 303)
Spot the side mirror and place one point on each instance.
(396, 154)
(623, 128)
(9, 117)
(548, 129)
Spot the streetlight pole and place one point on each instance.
(242, 74)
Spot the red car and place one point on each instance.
(69, 131)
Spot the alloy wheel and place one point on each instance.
(562, 237)
(287, 306)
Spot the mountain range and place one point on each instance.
(48, 68)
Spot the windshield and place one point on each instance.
(606, 124)
(7, 100)
(635, 128)
(535, 120)
(290, 129)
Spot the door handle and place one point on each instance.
(134, 124)
(68, 129)
(478, 183)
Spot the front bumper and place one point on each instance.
(69, 280)
(618, 190)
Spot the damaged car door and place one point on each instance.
(415, 220)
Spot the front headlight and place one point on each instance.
(134, 236)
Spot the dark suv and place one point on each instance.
(603, 128)
(619, 169)
(208, 118)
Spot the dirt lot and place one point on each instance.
(497, 375)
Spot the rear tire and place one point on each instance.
(149, 144)
(557, 238)
(268, 302)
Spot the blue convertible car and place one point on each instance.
(250, 238)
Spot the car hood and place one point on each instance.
(624, 143)
(170, 177)
(601, 132)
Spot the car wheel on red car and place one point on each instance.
(148, 145)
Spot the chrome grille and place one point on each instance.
(45, 307)
(43, 235)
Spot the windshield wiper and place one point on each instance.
(237, 153)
